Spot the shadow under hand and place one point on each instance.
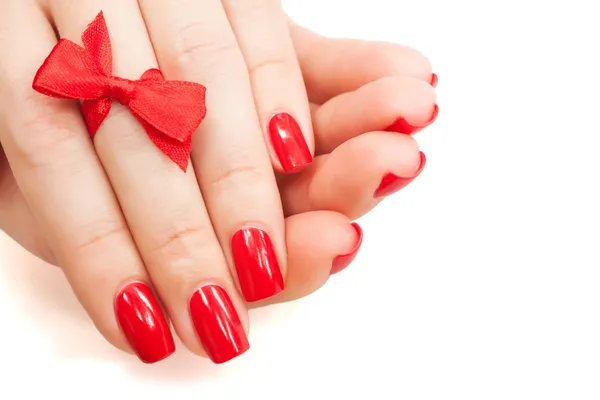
(48, 303)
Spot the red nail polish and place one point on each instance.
(401, 126)
(341, 262)
(256, 264)
(288, 142)
(391, 183)
(143, 323)
(217, 324)
(434, 80)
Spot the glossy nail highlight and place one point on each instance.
(401, 126)
(341, 262)
(217, 324)
(143, 323)
(391, 183)
(288, 142)
(256, 264)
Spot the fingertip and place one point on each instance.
(344, 260)
(314, 240)
(434, 80)
(289, 143)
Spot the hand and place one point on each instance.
(299, 234)
(124, 223)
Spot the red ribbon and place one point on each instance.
(169, 111)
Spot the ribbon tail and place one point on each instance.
(97, 44)
(94, 112)
(178, 152)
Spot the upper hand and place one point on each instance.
(87, 232)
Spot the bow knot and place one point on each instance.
(120, 89)
(169, 111)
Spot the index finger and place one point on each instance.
(55, 165)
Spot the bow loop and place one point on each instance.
(169, 111)
(69, 73)
(182, 106)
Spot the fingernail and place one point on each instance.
(401, 126)
(217, 324)
(288, 142)
(143, 323)
(391, 183)
(341, 262)
(256, 264)
(434, 80)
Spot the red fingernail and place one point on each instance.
(256, 264)
(434, 80)
(401, 126)
(143, 323)
(218, 324)
(288, 142)
(391, 183)
(341, 262)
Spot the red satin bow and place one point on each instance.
(170, 111)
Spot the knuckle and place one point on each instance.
(99, 237)
(181, 240)
(271, 65)
(245, 175)
(44, 136)
(202, 43)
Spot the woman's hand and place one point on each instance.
(57, 187)
(117, 213)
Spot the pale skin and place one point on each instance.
(86, 206)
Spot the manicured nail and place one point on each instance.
(143, 323)
(288, 142)
(391, 183)
(401, 126)
(342, 261)
(434, 80)
(217, 324)
(256, 264)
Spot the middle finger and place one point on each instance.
(194, 42)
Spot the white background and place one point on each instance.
(480, 281)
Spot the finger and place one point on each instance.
(163, 206)
(356, 176)
(397, 104)
(16, 219)
(64, 184)
(314, 258)
(194, 42)
(279, 94)
(335, 66)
